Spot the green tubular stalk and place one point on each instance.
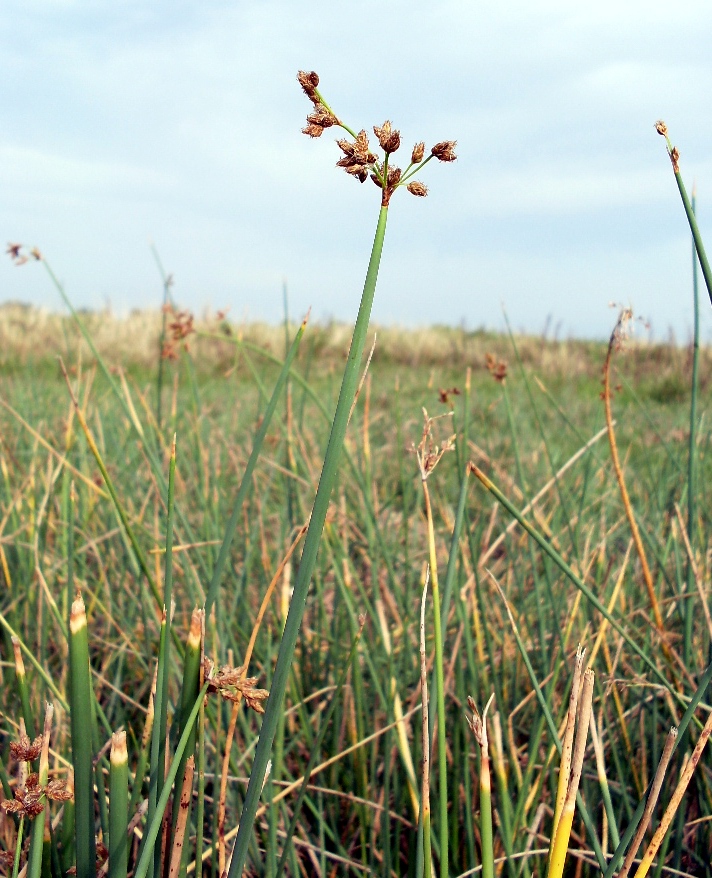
(200, 807)
(691, 218)
(246, 483)
(158, 741)
(22, 690)
(315, 751)
(143, 757)
(39, 850)
(189, 692)
(160, 722)
(118, 807)
(81, 723)
(692, 450)
(154, 825)
(309, 555)
(486, 820)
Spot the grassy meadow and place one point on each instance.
(94, 503)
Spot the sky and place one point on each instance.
(179, 123)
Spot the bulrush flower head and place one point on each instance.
(387, 137)
(309, 83)
(383, 132)
(417, 188)
(444, 151)
(25, 750)
(313, 130)
(394, 175)
(661, 128)
(356, 157)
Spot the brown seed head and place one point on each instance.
(25, 750)
(377, 181)
(361, 143)
(393, 142)
(13, 250)
(58, 791)
(313, 130)
(383, 132)
(321, 116)
(359, 171)
(661, 128)
(394, 175)
(308, 82)
(349, 161)
(675, 158)
(497, 368)
(345, 146)
(417, 188)
(418, 153)
(444, 151)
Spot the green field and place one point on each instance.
(351, 718)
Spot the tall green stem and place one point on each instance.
(309, 555)
(692, 453)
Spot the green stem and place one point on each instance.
(692, 220)
(118, 807)
(692, 453)
(309, 554)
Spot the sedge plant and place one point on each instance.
(361, 163)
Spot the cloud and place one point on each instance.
(181, 121)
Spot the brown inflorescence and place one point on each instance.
(497, 368)
(418, 153)
(25, 750)
(233, 685)
(444, 151)
(417, 188)
(357, 159)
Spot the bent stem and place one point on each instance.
(309, 555)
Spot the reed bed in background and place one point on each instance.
(153, 525)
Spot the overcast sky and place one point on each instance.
(179, 122)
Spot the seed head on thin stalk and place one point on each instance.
(428, 453)
(358, 160)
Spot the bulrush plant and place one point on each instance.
(360, 162)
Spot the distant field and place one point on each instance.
(360, 812)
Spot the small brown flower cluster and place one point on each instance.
(18, 255)
(445, 394)
(358, 160)
(24, 750)
(30, 799)
(321, 117)
(429, 454)
(496, 368)
(233, 685)
(180, 328)
(673, 151)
